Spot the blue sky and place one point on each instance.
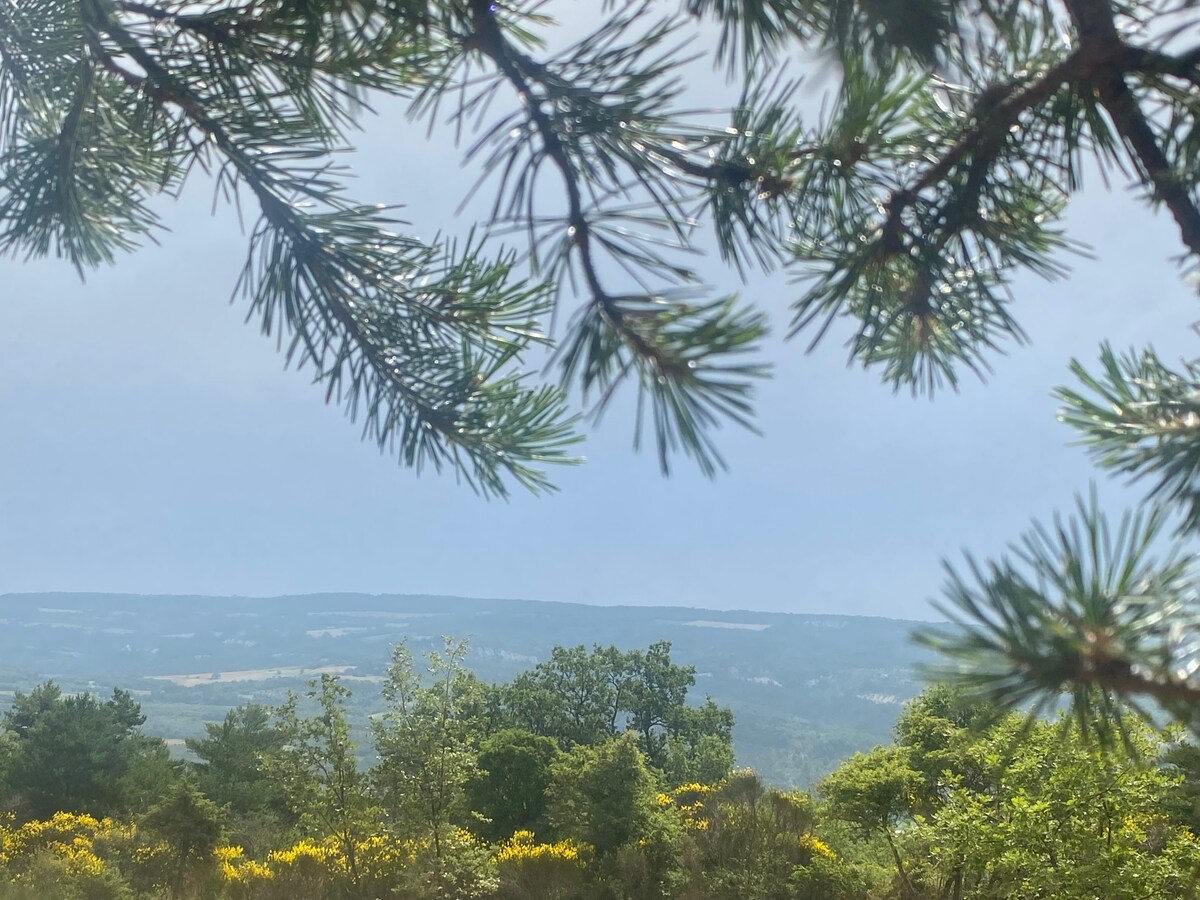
(153, 443)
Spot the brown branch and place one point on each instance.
(1148, 61)
(1119, 677)
(983, 139)
(1108, 59)
(1157, 171)
(978, 148)
(488, 39)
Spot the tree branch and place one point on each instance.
(279, 212)
(1155, 62)
(983, 140)
(1118, 676)
(489, 40)
(1157, 172)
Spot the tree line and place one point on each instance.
(956, 134)
(592, 776)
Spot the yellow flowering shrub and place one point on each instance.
(308, 854)
(691, 802)
(690, 794)
(530, 870)
(816, 847)
(236, 869)
(523, 846)
(65, 855)
(79, 840)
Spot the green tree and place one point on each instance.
(699, 747)
(605, 796)
(579, 696)
(425, 740)
(75, 753)
(318, 769)
(972, 803)
(876, 793)
(192, 828)
(230, 769)
(1059, 816)
(602, 795)
(659, 691)
(1181, 758)
(508, 789)
(576, 696)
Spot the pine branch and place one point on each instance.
(674, 349)
(980, 145)
(1140, 418)
(1149, 61)
(1167, 184)
(488, 38)
(331, 324)
(1079, 609)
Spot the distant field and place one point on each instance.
(334, 631)
(251, 675)
(373, 614)
(806, 690)
(734, 626)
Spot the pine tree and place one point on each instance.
(952, 144)
(955, 139)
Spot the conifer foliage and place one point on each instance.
(950, 147)
(952, 142)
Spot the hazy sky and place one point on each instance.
(151, 442)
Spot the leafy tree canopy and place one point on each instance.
(579, 696)
(78, 753)
(509, 789)
(1017, 808)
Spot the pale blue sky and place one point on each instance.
(151, 442)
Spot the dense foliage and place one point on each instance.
(456, 803)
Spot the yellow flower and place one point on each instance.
(816, 847)
(245, 872)
(522, 848)
(306, 851)
(228, 854)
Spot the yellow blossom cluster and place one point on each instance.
(523, 847)
(305, 851)
(816, 846)
(691, 801)
(71, 837)
(687, 794)
(236, 869)
(377, 859)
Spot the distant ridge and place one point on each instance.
(807, 688)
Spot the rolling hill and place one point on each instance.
(807, 690)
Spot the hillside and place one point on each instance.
(807, 689)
